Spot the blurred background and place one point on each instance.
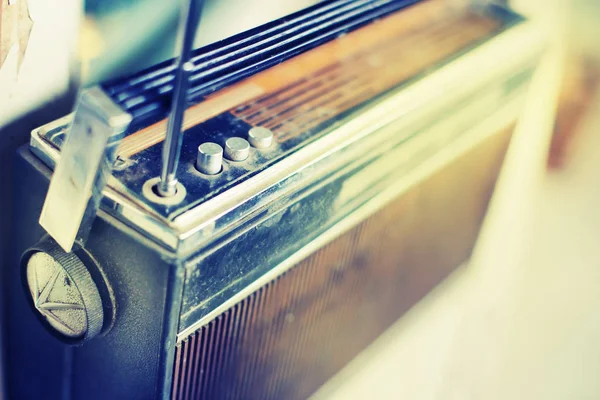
(520, 321)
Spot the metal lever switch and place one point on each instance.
(86, 161)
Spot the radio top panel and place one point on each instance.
(259, 97)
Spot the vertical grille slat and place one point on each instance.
(217, 348)
(243, 354)
(192, 389)
(224, 346)
(264, 342)
(176, 375)
(205, 372)
(228, 369)
(185, 376)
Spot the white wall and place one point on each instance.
(44, 73)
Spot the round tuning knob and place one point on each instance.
(62, 291)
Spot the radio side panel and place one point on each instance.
(124, 363)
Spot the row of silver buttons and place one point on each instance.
(209, 159)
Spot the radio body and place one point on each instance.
(367, 162)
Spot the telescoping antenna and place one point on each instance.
(188, 25)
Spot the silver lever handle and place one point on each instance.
(86, 161)
(190, 18)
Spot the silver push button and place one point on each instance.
(237, 149)
(260, 137)
(209, 158)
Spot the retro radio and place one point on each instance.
(242, 222)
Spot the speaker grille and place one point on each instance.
(286, 339)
